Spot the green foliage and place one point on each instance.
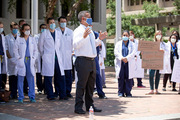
(109, 54)
(176, 3)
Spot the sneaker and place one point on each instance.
(20, 101)
(39, 92)
(164, 89)
(121, 95)
(32, 100)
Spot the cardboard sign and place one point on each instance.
(152, 60)
(176, 74)
(148, 46)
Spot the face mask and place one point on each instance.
(27, 32)
(63, 25)
(131, 37)
(42, 30)
(125, 38)
(15, 31)
(52, 26)
(173, 40)
(158, 37)
(89, 21)
(1, 30)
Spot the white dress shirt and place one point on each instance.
(82, 46)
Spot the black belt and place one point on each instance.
(88, 58)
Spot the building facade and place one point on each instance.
(23, 11)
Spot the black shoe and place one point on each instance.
(81, 111)
(174, 89)
(53, 98)
(104, 86)
(95, 109)
(69, 96)
(65, 98)
(102, 97)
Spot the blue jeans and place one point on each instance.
(30, 81)
(151, 79)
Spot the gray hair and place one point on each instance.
(82, 14)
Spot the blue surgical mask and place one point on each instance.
(125, 38)
(52, 26)
(89, 21)
(1, 30)
(15, 31)
(63, 25)
(42, 30)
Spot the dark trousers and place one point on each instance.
(68, 78)
(151, 79)
(59, 81)
(98, 79)
(25, 87)
(39, 82)
(139, 82)
(86, 72)
(48, 86)
(13, 85)
(165, 79)
(124, 83)
(4, 80)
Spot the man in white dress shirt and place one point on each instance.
(84, 44)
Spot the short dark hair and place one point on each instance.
(42, 25)
(51, 18)
(20, 21)
(126, 31)
(82, 14)
(13, 24)
(62, 17)
(175, 36)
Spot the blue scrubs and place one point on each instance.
(29, 76)
(98, 75)
(124, 83)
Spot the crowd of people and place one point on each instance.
(61, 55)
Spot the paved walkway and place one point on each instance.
(139, 107)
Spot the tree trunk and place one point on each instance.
(73, 9)
(50, 9)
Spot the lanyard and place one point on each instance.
(173, 48)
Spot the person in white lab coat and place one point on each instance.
(26, 52)
(50, 48)
(102, 57)
(170, 55)
(137, 58)
(67, 44)
(3, 57)
(39, 82)
(124, 54)
(12, 71)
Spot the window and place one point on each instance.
(149, 0)
(132, 2)
(142, 1)
(154, 1)
(0, 8)
(166, 0)
(19, 9)
(137, 2)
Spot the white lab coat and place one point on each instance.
(130, 58)
(139, 71)
(166, 60)
(5, 69)
(38, 60)
(67, 47)
(102, 56)
(20, 52)
(47, 48)
(10, 40)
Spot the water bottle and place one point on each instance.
(91, 113)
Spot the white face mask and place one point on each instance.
(173, 40)
(27, 32)
(158, 37)
(131, 37)
(1, 30)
